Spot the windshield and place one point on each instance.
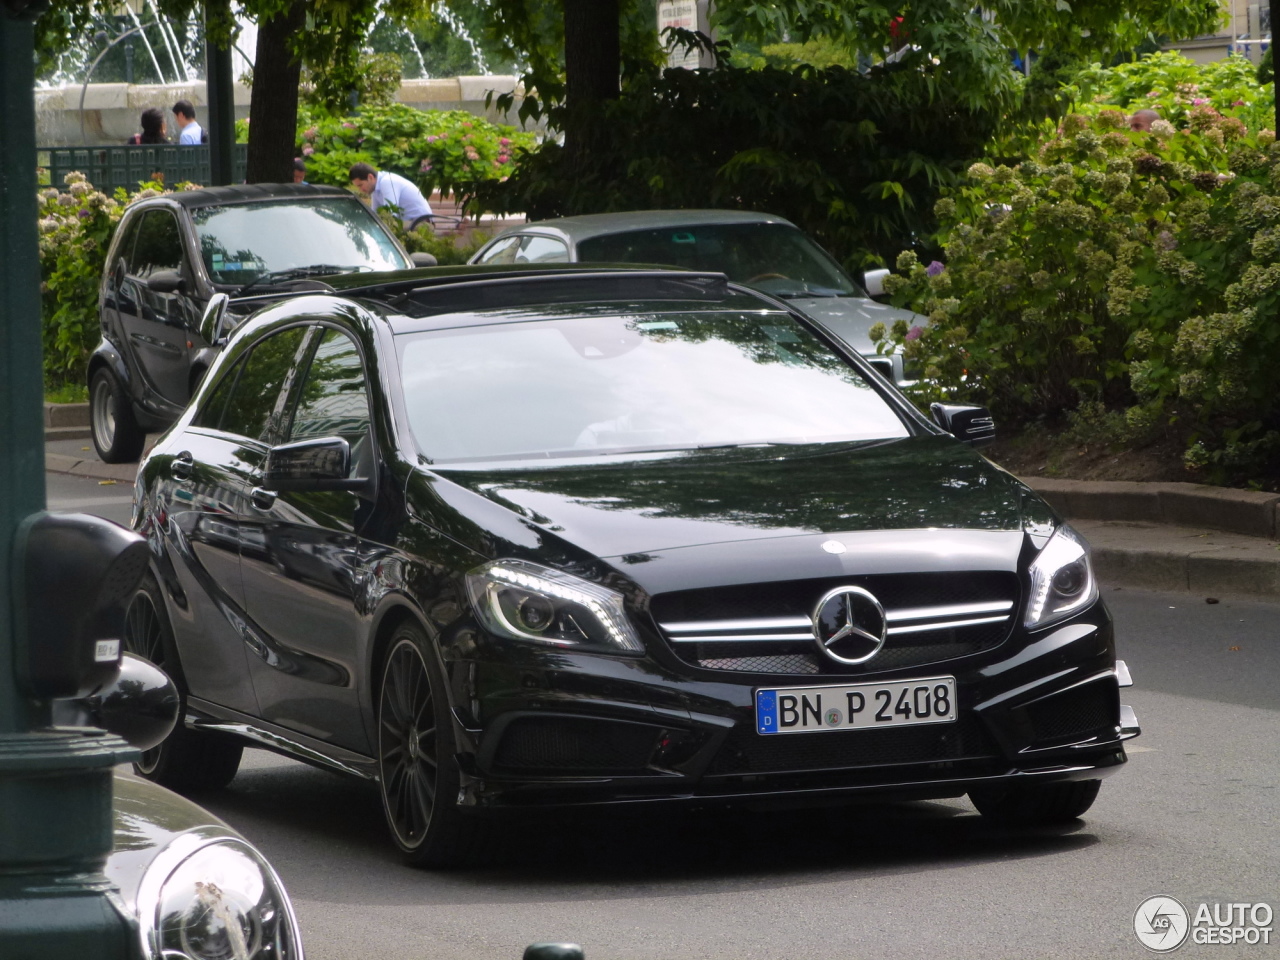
(588, 386)
(240, 242)
(773, 257)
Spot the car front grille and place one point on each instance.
(747, 752)
(767, 628)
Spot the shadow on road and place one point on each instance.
(322, 831)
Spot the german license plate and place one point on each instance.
(858, 706)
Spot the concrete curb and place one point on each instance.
(91, 467)
(1185, 504)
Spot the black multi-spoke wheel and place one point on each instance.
(416, 769)
(187, 759)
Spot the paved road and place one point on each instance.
(1194, 815)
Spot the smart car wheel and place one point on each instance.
(1034, 806)
(187, 759)
(417, 772)
(116, 434)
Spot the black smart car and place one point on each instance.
(587, 536)
(172, 255)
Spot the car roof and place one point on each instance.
(253, 192)
(602, 224)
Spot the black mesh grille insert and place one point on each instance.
(746, 751)
(572, 744)
(1083, 712)
(797, 598)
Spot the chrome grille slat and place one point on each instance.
(946, 625)
(806, 637)
(761, 623)
(948, 610)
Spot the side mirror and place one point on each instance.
(972, 425)
(423, 260)
(873, 280)
(166, 281)
(320, 464)
(213, 325)
(140, 705)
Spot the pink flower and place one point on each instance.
(471, 154)
(433, 138)
(425, 167)
(934, 268)
(1199, 101)
(1154, 93)
(348, 125)
(467, 125)
(310, 134)
(1237, 103)
(308, 150)
(503, 158)
(503, 141)
(914, 332)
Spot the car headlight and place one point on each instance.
(219, 901)
(1062, 580)
(524, 601)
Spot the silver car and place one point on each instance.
(758, 249)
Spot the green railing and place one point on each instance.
(126, 166)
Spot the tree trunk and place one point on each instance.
(592, 63)
(273, 108)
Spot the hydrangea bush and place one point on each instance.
(1114, 271)
(437, 149)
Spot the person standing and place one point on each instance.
(384, 188)
(153, 128)
(190, 132)
(299, 170)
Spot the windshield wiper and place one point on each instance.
(297, 273)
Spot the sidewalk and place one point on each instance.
(1209, 541)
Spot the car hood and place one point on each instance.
(148, 819)
(851, 318)
(889, 492)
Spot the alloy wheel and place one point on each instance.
(103, 414)
(407, 744)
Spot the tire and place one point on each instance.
(1036, 806)
(116, 434)
(188, 760)
(417, 772)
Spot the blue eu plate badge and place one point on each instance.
(767, 711)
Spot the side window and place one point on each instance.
(504, 251)
(215, 404)
(333, 400)
(159, 245)
(542, 250)
(124, 247)
(256, 404)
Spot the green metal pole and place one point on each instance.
(219, 93)
(55, 787)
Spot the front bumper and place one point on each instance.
(539, 727)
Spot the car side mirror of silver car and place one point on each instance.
(423, 260)
(213, 324)
(873, 280)
(166, 281)
(140, 705)
(972, 425)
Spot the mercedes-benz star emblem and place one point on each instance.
(849, 625)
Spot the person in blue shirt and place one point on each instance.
(191, 133)
(383, 188)
(299, 170)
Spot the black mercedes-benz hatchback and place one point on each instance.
(500, 539)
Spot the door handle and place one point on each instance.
(262, 499)
(180, 467)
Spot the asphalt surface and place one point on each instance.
(1194, 815)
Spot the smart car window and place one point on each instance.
(254, 408)
(601, 385)
(159, 245)
(773, 257)
(333, 400)
(241, 241)
(124, 246)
